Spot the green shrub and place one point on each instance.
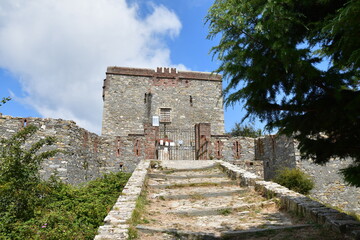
(295, 180)
(69, 212)
(31, 208)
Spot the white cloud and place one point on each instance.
(61, 50)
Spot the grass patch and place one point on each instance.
(225, 211)
(137, 216)
(133, 233)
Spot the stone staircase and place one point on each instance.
(197, 200)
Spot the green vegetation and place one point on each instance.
(4, 100)
(248, 130)
(295, 180)
(21, 188)
(225, 211)
(270, 51)
(136, 217)
(31, 208)
(65, 211)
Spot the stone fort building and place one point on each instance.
(178, 99)
(170, 114)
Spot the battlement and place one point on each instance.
(163, 72)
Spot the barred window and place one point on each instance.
(165, 115)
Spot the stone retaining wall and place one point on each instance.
(297, 203)
(117, 221)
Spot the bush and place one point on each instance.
(295, 180)
(69, 212)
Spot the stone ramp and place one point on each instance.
(196, 200)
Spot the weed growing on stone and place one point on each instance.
(133, 233)
(137, 215)
(225, 211)
(197, 196)
(139, 210)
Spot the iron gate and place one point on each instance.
(176, 143)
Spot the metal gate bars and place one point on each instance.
(176, 143)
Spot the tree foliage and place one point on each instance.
(4, 100)
(20, 184)
(272, 49)
(246, 130)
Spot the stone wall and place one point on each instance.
(133, 95)
(296, 203)
(278, 152)
(239, 151)
(86, 156)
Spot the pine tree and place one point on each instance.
(270, 51)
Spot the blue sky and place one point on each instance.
(54, 54)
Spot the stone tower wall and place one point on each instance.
(132, 96)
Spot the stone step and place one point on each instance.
(192, 184)
(229, 235)
(223, 210)
(178, 233)
(188, 169)
(199, 195)
(167, 176)
(251, 233)
(188, 164)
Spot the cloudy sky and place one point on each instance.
(54, 54)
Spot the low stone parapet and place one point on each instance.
(116, 223)
(297, 203)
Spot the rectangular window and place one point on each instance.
(165, 115)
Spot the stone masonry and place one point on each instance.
(215, 200)
(132, 96)
(86, 155)
(278, 152)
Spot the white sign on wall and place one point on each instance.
(155, 121)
